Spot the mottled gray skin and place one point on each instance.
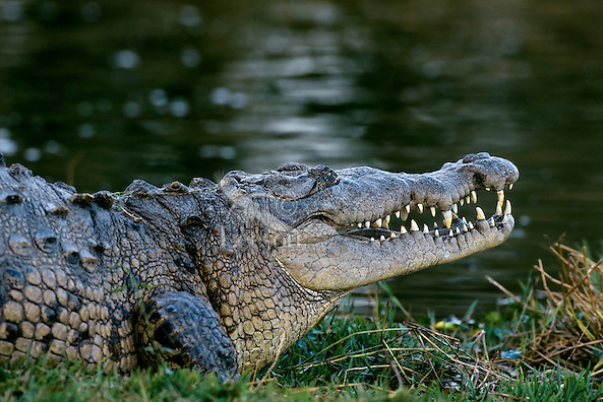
(221, 277)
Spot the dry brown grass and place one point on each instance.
(565, 325)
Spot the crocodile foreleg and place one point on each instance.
(184, 331)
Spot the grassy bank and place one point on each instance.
(544, 345)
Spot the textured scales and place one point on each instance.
(220, 277)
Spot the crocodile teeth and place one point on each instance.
(447, 218)
(508, 208)
(480, 214)
(503, 209)
(500, 194)
(511, 186)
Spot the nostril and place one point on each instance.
(473, 157)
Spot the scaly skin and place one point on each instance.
(220, 277)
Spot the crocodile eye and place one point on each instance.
(288, 188)
(330, 177)
(324, 176)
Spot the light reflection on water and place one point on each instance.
(163, 91)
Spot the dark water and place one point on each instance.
(100, 93)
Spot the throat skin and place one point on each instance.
(263, 309)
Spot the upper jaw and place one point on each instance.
(372, 204)
(396, 223)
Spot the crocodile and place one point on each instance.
(221, 277)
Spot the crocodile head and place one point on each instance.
(341, 229)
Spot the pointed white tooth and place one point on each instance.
(387, 219)
(407, 208)
(458, 231)
(508, 208)
(413, 226)
(433, 211)
(382, 238)
(420, 208)
(372, 239)
(474, 197)
(487, 188)
(470, 226)
(462, 202)
(359, 225)
(511, 186)
(378, 222)
(455, 208)
(403, 230)
(468, 199)
(500, 194)
(447, 218)
(465, 228)
(464, 219)
(425, 229)
(480, 214)
(491, 222)
(451, 233)
(397, 214)
(392, 235)
(367, 224)
(498, 209)
(436, 233)
(435, 225)
(404, 216)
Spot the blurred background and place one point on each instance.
(98, 94)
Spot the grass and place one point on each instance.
(544, 345)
